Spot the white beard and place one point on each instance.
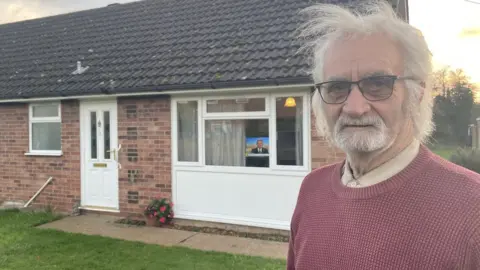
(364, 139)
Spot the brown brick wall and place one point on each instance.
(322, 152)
(21, 176)
(144, 133)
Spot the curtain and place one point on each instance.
(225, 139)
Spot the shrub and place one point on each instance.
(468, 158)
(161, 210)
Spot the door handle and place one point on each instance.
(118, 150)
(115, 151)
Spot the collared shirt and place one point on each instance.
(384, 171)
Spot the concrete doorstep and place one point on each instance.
(106, 226)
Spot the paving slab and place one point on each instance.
(237, 245)
(104, 225)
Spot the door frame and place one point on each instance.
(83, 134)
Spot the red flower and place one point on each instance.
(162, 220)
(163, 208)
(155, 213)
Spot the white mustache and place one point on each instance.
(344, 120)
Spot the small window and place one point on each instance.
(93, 135)
(106, 134)
(236, 105)
(187, 131)
(289, 122)
(45, 128)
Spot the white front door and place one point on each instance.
(99, 155)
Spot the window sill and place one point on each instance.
(47, 153)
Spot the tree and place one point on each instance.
(462, 99)
(445, 79)
(453, 105)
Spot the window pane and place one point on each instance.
(289, 131)
(106, 133)
(187, 131)
(93, 135)
(46, 136)
(236, 105)
(45, 110)
(234, 143)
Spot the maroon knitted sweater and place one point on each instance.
(425, 217)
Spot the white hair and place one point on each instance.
(329, 22)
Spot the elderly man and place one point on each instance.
(392, 204)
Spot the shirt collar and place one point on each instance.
(384, 171)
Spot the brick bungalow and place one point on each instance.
(128, 102)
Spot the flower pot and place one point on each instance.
(152, 222)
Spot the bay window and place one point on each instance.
(45, 128)
(263, 131)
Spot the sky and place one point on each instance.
(452, 31)
(450, 26)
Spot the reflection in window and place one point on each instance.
(46, 136)
(187, 131)
(45, 127)
(45, 110)
(106, 133)
(289, 131)
(236, 105)
(93, 135)
(234, 142)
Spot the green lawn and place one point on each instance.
(443, 150)
(24, 247)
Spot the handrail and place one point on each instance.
(38, 192)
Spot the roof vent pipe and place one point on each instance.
(80, 69)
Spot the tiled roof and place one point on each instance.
(154, 45)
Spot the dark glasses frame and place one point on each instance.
(393, 79)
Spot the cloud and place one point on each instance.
(19, 10)
(11, 11)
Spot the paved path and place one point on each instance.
(104, 225)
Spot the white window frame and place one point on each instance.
(237, 115)
(174, 133)
(32, 120)
(305, 132)
(269, 114)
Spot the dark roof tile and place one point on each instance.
(153, 44)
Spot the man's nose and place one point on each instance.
(356, 105)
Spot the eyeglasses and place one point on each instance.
(375, 88)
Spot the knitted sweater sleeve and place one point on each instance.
(293, 230)
(475, 250)
(473, 253)
(291, 255)
(295, 220)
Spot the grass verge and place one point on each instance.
(25, 247)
